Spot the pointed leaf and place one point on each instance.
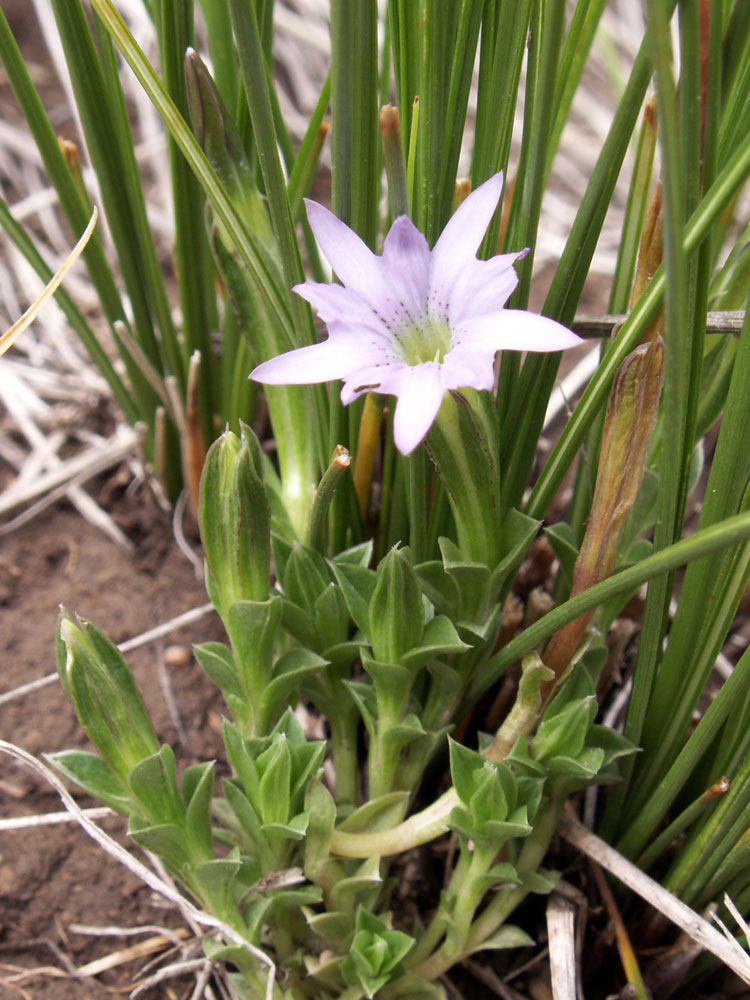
(357, 585)
(217, 661)
(92, 774)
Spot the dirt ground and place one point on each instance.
(47, 875)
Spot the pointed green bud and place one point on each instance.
(235, 520)
(220, 140)
(396, 612)
(105, 696)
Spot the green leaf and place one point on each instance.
(364, 698)
(295, 829)
(333, 927)
(300, 625)
(153, 783)
(242, 762)
(197, 786)
(395, 611)
(488, 802)
(367, 876)
(440, 638)
(306, 576)
(106, 697)
(247, 816)
(332, 615)
(439, 587)
(216, 880)
(564, 543)
(217, 661)
(398, 736)
(540, 882)
(584, 767)
(464, 764)
(392, 685)
(613, 744)
(321, 808)
(95, 777)
(472, 579)
(252, 627)
(357, 555)
(565, 732)
(357, 585)
(507, 936)
(377, 814)
(289, 673)
(519, 531)
(166, 841)
(276, 766)
(375, 953)
(502, 875)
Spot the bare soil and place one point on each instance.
(54, 876)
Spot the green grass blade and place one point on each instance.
(724, 188)
(355, 133)
(221, 49)
(635, 212)
(195, 271)
(73, 203)
(578, 42)
(101, 107)
(676, 692)
(88, 338)
(535, 384)
(254, 255)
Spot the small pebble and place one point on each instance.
(177, 656)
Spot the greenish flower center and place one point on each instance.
(428, 340)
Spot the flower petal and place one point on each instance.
(420, 392)
(407, 257)
(334, 303)
(337, 357)
(514, 330)
(485, 287)
(352, 260)
(459, 241)
(462, 367)
(370, 378)
(356, 266)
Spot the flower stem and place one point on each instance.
(367, 446)
(418, 829)
(464, 460)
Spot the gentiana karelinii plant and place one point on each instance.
(380, 596)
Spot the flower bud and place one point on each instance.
(220, 140)
(396, 613)
(105, 696)
(235, 520)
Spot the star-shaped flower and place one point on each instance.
(414, 323)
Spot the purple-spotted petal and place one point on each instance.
(407, 258)
(459, 241)
(514, 330)
(336, 304)
(355, 265)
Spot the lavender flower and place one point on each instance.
(414, 323)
